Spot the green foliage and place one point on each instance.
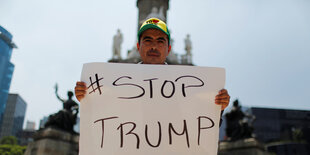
(298, 135)
(10, 140)
(6, 149)
(9, 146)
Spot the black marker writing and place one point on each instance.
(200, 128)
(96, 83)
(133, 129)
(183, 85)
(128, 84)
(130, 132)
(151, 86)
(179, 134)
(102, 127)
(163, 86)
(159, 137)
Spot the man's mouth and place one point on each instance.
(153, 53)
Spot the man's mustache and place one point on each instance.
(153, 52)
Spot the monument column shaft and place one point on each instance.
(145, 8)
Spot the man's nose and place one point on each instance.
(154, 45)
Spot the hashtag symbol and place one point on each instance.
(95, 85)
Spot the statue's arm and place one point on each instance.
(56, 92)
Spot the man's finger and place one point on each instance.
(77, 92)
(221, 101)
(81, 83)
(223, 91)
(222, 97)
(80, 88)
(80, 96)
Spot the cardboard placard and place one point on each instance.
(150, 109)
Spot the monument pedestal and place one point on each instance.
(249, 146)
(51, 141)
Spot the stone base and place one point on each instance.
(248, 146)
(51, 141)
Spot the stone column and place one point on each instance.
(51, 141)
(146, 6)
(242, 147)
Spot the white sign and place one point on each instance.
(150, 109)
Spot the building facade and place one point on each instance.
(6, 68)
(42, 122)
(14, 115)
(272, 125)
(30, 125)
(281, 124)
(26, 136)
(282, 131)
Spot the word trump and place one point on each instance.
(167, 89)
(128, 129)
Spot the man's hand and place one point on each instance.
(222, 98)
(80, 90)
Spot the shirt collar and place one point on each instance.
(141, 62)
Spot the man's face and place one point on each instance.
(153, 47)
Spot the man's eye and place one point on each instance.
(161, 41)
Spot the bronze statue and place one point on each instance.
(64, 119)
(237, 128)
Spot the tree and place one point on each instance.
(10, 140)
(8, 146)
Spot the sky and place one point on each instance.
(264, 45)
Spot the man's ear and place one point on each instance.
(169, 49)
(138, 46)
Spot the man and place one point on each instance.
(154, 46)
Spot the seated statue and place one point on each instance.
(236, 127)
(64, 119)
